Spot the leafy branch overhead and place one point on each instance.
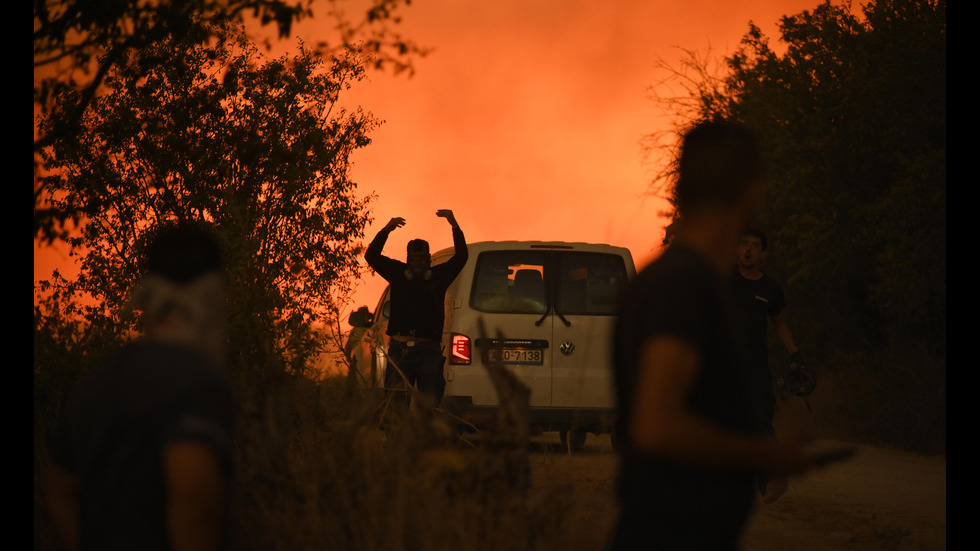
(257, 147)
(78, 43)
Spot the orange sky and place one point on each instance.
(526, 118)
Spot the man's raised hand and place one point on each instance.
(396, 222)
(448, 215)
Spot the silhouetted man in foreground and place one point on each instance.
(418, 295)
(692, 448)
(142, 457)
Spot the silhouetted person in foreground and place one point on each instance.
(418, 296)
(691, 446)
(760, 302)
(142, 458)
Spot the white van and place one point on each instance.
(553, 302)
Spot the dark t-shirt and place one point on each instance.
(680, 295)
(755, 301)
(417, 303)
(114, 430)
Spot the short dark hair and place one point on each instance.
(719, 161)
(418, 246)
(182, 252)
(756, 232)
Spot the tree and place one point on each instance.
(77, 43)
(259, 148)
(852, 117)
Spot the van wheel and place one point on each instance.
(577, 441)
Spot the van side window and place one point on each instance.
(590, 283)
(510, 282)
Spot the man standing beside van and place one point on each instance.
(691, 447)
(418, 295)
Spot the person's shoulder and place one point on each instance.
(771, 282)
(677, 263)
(677, 275)
(453, 265)
(173, 353)
(736, 278)
(136, 382)
(382, 260)
(167, 365)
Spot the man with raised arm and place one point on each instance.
(418, 295)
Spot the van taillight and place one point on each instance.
(460, 351)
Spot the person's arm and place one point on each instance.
(62, 490)
(785, 336)
(460, 251)
(195, 496)
(380, 263)
(663, 425)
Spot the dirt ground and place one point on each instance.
(878, 500)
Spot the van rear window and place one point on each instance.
(590, 283)
(510, 281)
(529, 282)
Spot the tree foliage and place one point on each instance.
(851, 112)
(215, 133)
(78, 43)
(852, 116)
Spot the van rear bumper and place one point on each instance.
(542, 419)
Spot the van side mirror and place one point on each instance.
(360, 317)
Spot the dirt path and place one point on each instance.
(879, 500)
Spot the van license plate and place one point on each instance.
(516, 356)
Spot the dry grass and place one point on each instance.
(319, 469)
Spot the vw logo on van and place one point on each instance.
(567, 348)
